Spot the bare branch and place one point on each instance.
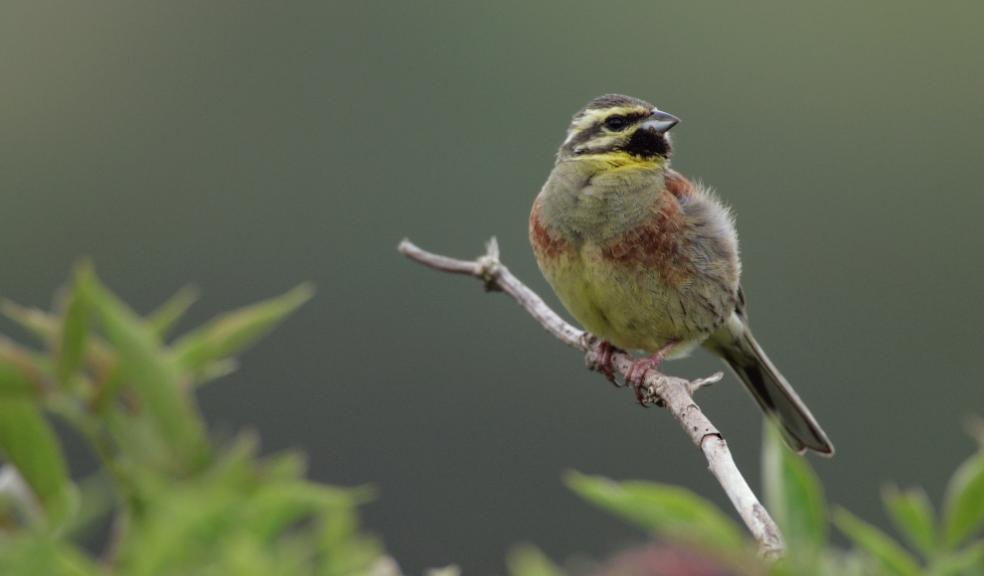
(676, 394)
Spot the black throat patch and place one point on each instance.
(648, 144)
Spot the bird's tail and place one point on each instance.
(736, 345)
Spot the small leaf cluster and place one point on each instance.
(174, 500)
(946, 544)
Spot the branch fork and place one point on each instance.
(675, 394)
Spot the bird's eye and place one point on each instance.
(616, 123)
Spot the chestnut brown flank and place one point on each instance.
(655, 245)
(677, 184)
(545, 243)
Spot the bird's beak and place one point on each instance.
(660, 122)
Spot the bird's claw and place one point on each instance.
(636, 377)
(602, 360)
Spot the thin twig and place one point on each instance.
(675, 393)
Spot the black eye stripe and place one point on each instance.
(616, 123)
(619, 122)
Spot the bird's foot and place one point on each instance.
(602, 361)
(637, 376)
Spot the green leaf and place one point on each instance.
(277, 506)
(108, 387)
(30, 445)
(290, 465)
(74, 329)
(139, 440)
(13, 382)
(164, 318)
(41, 553)
(182, 526)
(96, 500)
(232, 332)
(968, 561)
(668, 511)
(912, 514)
(883, 549)
(42, 325)
(152, 373)
(19, 376)
(793, 495)
(528, 560)
(963, 510)
(343, 549)
(217, 369)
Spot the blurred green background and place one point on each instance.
(247, 146)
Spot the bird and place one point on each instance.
(647, 260)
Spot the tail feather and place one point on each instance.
(736, 345)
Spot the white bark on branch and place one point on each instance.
(676, 394)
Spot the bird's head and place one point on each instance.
(619, 130)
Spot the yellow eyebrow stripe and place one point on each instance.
(591, 117)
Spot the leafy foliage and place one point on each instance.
(963, 513)
(793, 494)
(912, 514)
(530, 561)
(666, 511)
(178, 502)
(947, 546)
